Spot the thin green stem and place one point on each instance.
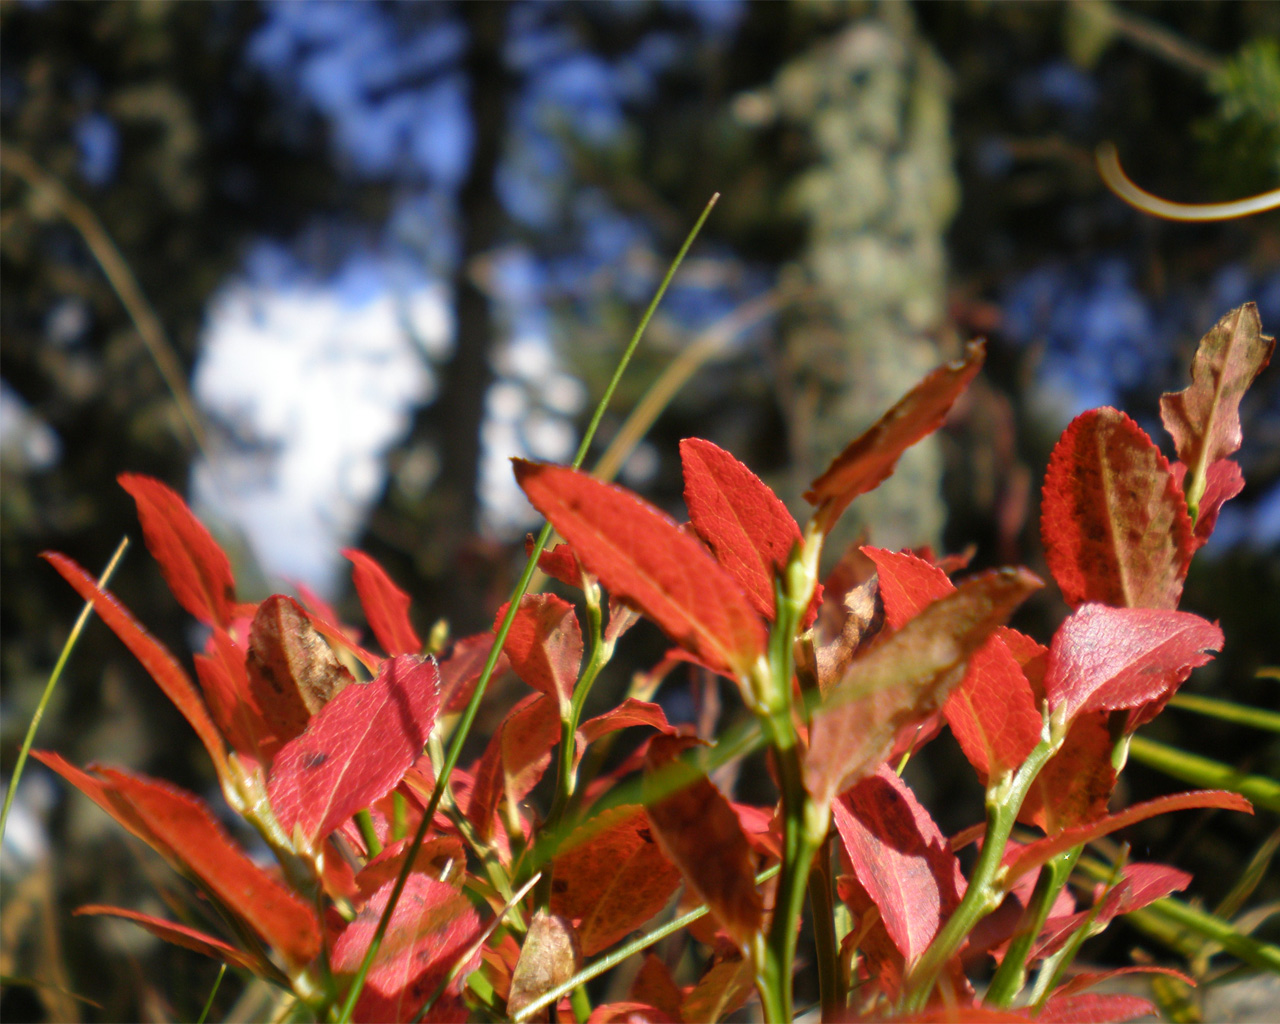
(1227, 711)
(364, 822)
(208, 1003)
(611, 960)
(985, 891)
(1012, 975)
(1201, 771)
(72, 638)
(826, 945)
(463, 728)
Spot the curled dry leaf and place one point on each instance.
(549, 957)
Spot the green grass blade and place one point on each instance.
(1201, 771)
(1228, 711)
(473, 706)
(72, 638)
(208, 1003)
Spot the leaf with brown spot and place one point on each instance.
(293, 673)
(549, 957)
(611, 877)
(702, 835)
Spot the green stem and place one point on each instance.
(1201, 771)
(463, 728)
(49, 687)
(826, 944)
(985, 891)
(1012, 975)
(364, 822)
(208, 1003)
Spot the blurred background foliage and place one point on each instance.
(896, 178)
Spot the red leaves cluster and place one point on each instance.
(303, 748)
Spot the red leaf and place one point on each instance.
(460, 670)
(904, 678)
(1223, 481)
(195, 568)
(292, 672)
(640, 554)
(1113, 521)
(544, 645)
(1075, 786)
(386, 606)
(515, 759)
(1095, 1009)
(900, 857)
(158, 662)
(630, 712)
(871, 458)
(701, 834)
(993, 711)
(1104, 659)
(611, 877)
(631, 1012)
(179, 827)
(724, 987)
(741, 519)
(655, 986)
(559, 562)
(225, 683)
(431, 929)
(1204, 418)
(356, 749)
(1038, 853)
(181, 935)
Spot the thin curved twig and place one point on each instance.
(1115, 179)
(116, 268)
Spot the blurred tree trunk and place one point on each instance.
(430, 542)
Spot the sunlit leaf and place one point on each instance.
(356, 748)
(544, 645)
(386, 606)
(640, 554)
(550, 956)
(194, 566)
(1113, 521)
(181, 935)
(515, 759)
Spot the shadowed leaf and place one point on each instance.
(1223, 481)
(1075, 785)
(515, 759)
(181, 935)
(640, 554)
(611, 877)
(871, 458)
(1113, 521)
(905, 678)
(544, 645)
(701, 834)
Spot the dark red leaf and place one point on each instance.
(630, 712)
(905, 678)
(631, 1012)
(195, 568)
(741, 519)
(386, 606)
(702, 836)
(179, 827)
(611, 877)
(460, 670)
(225, 683)
(871, 458)
(1204, 418)
(1104, 659)
(431, 930)
(992, 713)
(515, 759)
(544, 646)
(1113, 521)
(153, 655)
(1075, 786)
(292, 672)
(655, 986)
(1036, 854)
(558, 562)
(640, 554)
(900, 857)
(188, 938)
(356, 749)
(723, 988)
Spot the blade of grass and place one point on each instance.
(1228, 711)
(1201, 771)
(208, 1003)
(473, 706)
(54, 676)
